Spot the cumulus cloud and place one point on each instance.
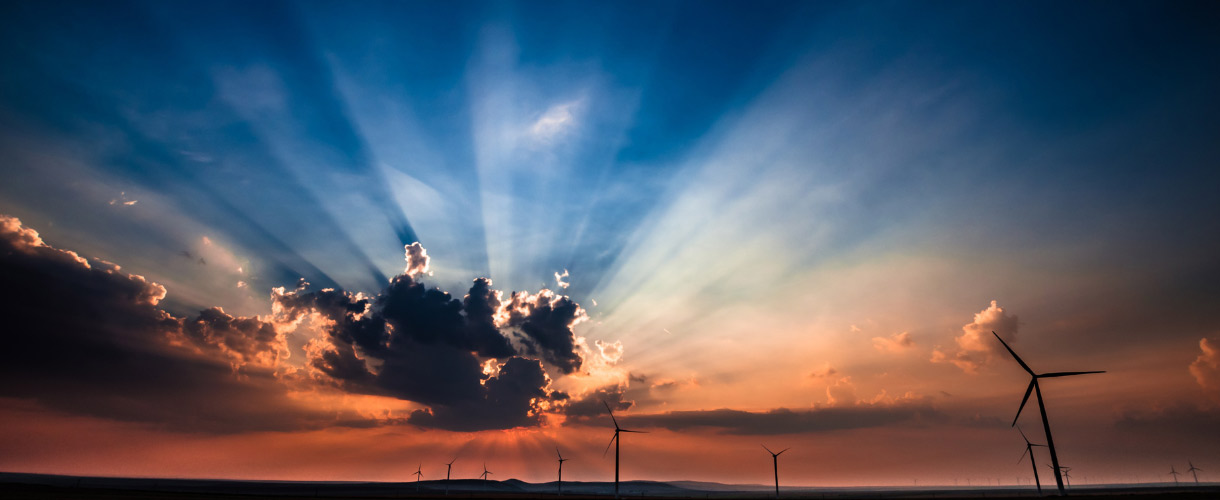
(897, 342)
(976, 346)
(1206, 367)
(559, 279)
(417, 260)
(84, 337)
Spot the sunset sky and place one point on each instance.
(336, 241)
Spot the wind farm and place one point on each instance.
(287, 248)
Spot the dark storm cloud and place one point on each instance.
(421, 344)
(507, 402)
(786, 421)
(86, 338)
(546, 321)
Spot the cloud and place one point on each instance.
(594, 403)
(787, 421)
(420, 344)
(556, 121)
(1206, 367)
(559, 279)
(842, 393)
(825, 371)
(897, 342)
(976, 346)
(84, 337)
(417, 260)
(546, 321)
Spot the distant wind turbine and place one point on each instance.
(1067, 473)
(615, 441)
(485, 472)
(419, 472)
(1029, 449)
(448, 467)
(1194, 471)
(1034, 387)
(1174, 473)
(559, 485)
(775, 465)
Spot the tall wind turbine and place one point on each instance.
(561, 461)
(419, 472)
(775, 465)
(448, 467)
(1034, 387)
(485, 472)
(1174, 473)
(1029, 449)
(615, 441)
(1194, 471)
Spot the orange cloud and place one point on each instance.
(897, 342)
(975, 346)
(1206, 368)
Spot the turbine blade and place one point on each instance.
(610, 443)
(1024, 400)
(629, 430)
(1065, 374)
(1026, 452)
(768, 449)
(1014, 355)
(1022, 434)
(611, 414)
(558, 453)
(782, 451)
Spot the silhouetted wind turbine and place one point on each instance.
(448, 467)
(615, 441)
(419, 472)
(1029, 449)
(1034, 387)
(485, 472)
(775, 465)
(1174, 473)
(559, 485)
(1194, 471)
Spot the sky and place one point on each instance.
(326, 241)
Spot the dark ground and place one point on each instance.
(36, 486)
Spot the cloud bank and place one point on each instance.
(84, 337)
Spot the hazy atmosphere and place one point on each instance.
(340, 241)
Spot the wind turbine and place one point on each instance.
(419, 472)
(1067, 473)
(1034, 387)
(561, 461)
(448, 467)
(775, 465)
(1029, 449)
(1174, 473)
(485, 472)
(615, 441)
(1194, 471)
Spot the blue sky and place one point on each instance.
(728, 184)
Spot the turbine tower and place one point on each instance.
(615, 441)
(485, 472)
(1034, 387)
(775, 465)
(448, 467)
(1174, 473)
(559, 485)
(1194, 471)
(419, 472)
(1029, 449)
